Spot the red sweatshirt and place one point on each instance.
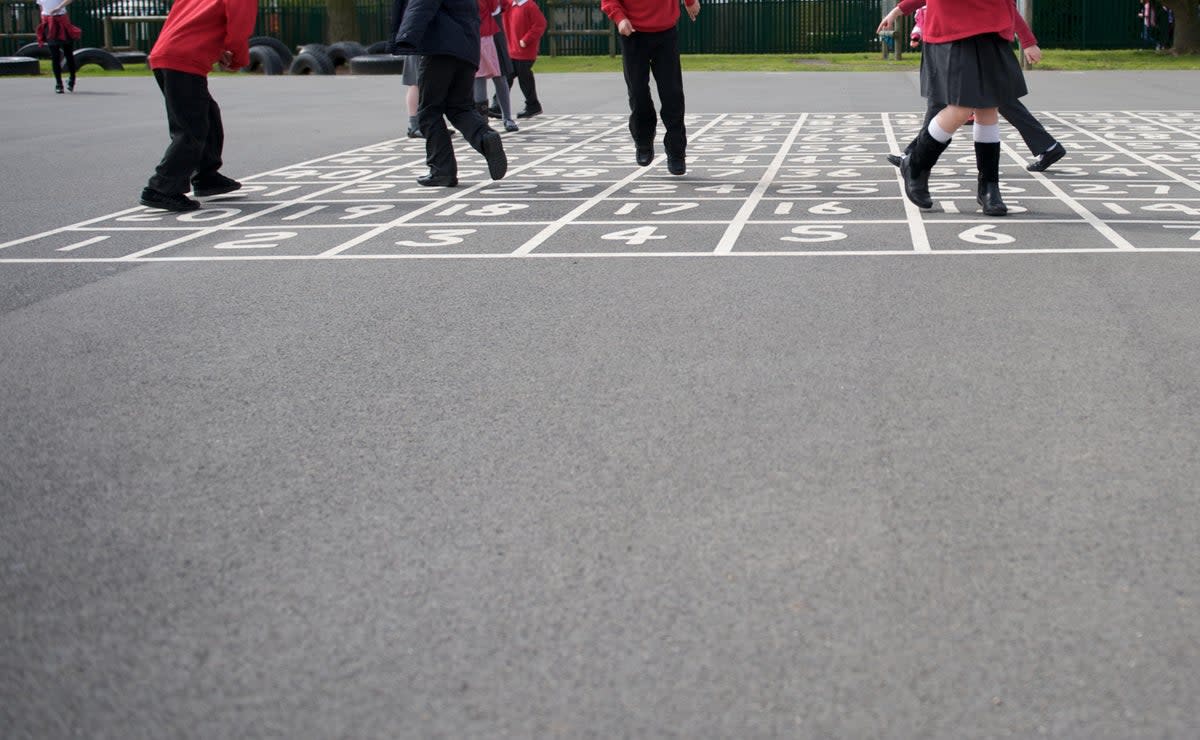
(197, 32)
(524, 22)
(1024, 32)
(953, 20)
(645, 15)
(487, 21)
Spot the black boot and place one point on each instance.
(987, 161)
(915, 168)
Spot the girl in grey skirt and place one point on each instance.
(968, 65)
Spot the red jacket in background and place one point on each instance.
(649, 16)
(197, 32)
(952, 20)
(487, 18)
(524, 22)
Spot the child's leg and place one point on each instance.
(56, 64)
(668, 76)
(480, 90)
(69, 51)
(187, 102)
(635, 60)
(471, 122)
(930, 144)
(411, 97)
(502, 97)
(214, 143)
(1036, 137)
(524, 70)
(987, 161)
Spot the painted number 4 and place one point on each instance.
(636, 236)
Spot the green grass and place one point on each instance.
(1054, 59)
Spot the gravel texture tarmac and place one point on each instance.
(894, 496)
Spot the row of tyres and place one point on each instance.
(270, 56)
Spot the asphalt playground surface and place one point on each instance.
(593, 451)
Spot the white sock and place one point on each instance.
(938, 133)
(986, 133)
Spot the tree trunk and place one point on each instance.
(343, 22)
(1187, 25)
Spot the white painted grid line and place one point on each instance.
(916, 224)
(455, 196)
(730, 237)
(582, 208)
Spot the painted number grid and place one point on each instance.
(757, 184)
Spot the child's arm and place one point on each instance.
(1024, 32)
(693, 9)
(417, 16)
(615, 9)
(240, 16)
(537, 27)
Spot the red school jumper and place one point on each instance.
(649, 16)
(197, 32)
(524, 22)
(953, 20)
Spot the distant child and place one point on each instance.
(56, 31)
(197, 34)
(650, 44)
(445, 35)
(524, 24)
(489, 65)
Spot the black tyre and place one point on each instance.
(377, 64)
(285, 54)
(265, 60)
(12, 66)
(379, 47)
(33, 51)
(312, 63)
(344, 51)
(131, 57)
(105, 60)
(314, 47)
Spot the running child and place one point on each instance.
(56, 31)
(524, 23)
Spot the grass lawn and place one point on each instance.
(1054, 59)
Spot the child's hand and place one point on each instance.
(1033, 55)
(625, 28)
(889, 20)
(522, 43)
(226, 61)
(693, 10)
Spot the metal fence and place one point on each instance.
(725, 26)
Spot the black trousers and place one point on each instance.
(197, 136)
(1036, 137)
(657, 53)
(446, 86)
(58, 50)
(523, 73)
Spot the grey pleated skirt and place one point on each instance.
(975, 72)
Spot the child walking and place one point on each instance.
(524, 23)
(650, 44)
(968, 66)
(197, 34)
(1045, 148)
(445, 33)
(489, 65)
(56, 31)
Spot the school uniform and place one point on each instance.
(967, 62)
(56, 31)
(524, 23)
(653, 48)
(444, 37)
(193, 38)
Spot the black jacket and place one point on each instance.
(429, 27)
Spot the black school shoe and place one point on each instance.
(895, 160)
(438, 181)
(645, 155)
(493, 152)
(204, 186)
(1047, 158)
(530, 112)
(168, 202)
(415, 133)
(676, 165)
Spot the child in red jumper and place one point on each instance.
(968, 65)
(524, 23)
(650, 43)
(196, 35)
(56, 31)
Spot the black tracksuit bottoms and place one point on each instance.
(657, 53)
(197, 136)
(447, 88)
